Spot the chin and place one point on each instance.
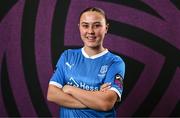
(92, 46)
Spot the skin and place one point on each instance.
(92, 27)
(58, 96)
(98, 100)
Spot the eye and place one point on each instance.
(97, 25)
(85, 26)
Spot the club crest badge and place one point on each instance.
(104, 69)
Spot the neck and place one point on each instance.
(93, 51)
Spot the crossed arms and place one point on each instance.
(73, 97)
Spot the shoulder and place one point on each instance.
(69, 52)
(114, 57)
(67, 55)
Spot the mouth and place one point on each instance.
(91, 38)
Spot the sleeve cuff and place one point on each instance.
(55, 84)
(118, 93)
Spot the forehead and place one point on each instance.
(92, 16)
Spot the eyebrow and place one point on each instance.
(89, 23)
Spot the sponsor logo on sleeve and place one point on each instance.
(118, 80)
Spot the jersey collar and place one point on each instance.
(94, 56)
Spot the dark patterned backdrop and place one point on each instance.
(146, 33)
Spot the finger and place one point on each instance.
(105, 86)
(105, 89)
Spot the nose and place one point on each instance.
(90, 30)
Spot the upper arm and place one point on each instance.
(58, 77)
(115, 76)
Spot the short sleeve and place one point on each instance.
(58, 76)
(115, 76)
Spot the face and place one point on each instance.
(92, 28)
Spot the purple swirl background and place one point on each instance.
(168, 30)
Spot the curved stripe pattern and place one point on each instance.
(58, 26)
(175, 112)
(7, 94)
(5, 6)
(148, 40)
(137, 41)
(134, 69)
(159, 45)
(136, 4)
(176, 3)
(159, 88)
(28, 58)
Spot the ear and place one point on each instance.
(78, 25)
(107, 27)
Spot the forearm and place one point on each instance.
(57, 96)
(97, 100)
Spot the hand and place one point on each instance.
(105, 87)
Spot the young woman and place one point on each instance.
(88, 81)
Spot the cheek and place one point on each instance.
(82, 32)
(101, 33)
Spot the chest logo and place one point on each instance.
(103, 69)
(69, 65)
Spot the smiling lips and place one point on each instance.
(91, 38)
